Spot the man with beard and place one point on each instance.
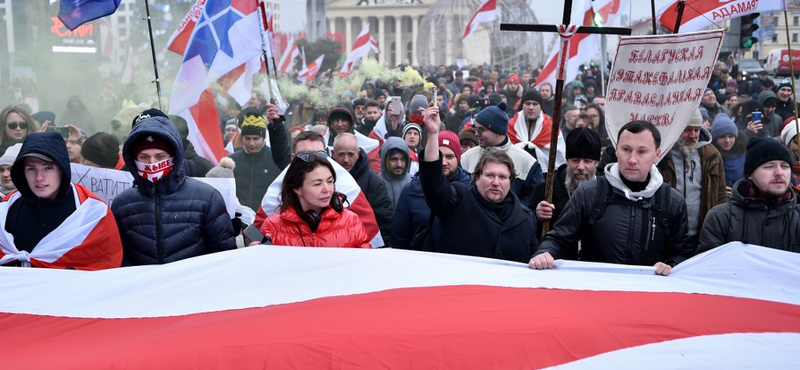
(762, 210)
(395, 164)
(629, 216)
(695, 169)
(583, 153)
(372, 113)
(460, 113)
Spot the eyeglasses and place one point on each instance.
(309, 156)
(14, 125)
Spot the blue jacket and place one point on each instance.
(412, 211)
(176, 217)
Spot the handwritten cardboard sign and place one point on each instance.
(660, 79)
(108, 184)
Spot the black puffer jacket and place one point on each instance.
(376, 194)
(175, 218)
(752, 221)
(468, 227)
(626, 233)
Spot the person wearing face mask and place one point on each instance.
(50, 222)
(166, 216)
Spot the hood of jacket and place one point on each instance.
(163, 127)
(615, 179)
(50, 144)
(764, 95)
(388, 146)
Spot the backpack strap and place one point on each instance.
(663, 205)
(601, 198)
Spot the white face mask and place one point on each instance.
(154, 171)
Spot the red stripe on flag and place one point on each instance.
(363, 209)
(205, 116)
(457, 327)
(698, 8)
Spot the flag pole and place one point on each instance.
(791, 70)
(263, 20)
(153, 51)
(653, 14)
(681, 6)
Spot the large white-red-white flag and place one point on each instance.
(734, 307)
(225, 36)
(701, 14)
(361, 47)
(487, 12)
(582, 46)
(309, 72)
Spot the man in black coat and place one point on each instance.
(166, 216)
(354, 159)
(256, 165)
(583, 153)
(484, 219)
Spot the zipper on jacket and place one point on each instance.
(652, 230)
(159, 250)
(252, 166)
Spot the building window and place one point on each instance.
(410, 52)
(775, 21)
(774, 37)
(794, 37)
(394, 25)
(122, 32)
(794, 21)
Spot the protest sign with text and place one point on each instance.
(660, 79)
(108, 184)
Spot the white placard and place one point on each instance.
(660, 79)
(108, 184)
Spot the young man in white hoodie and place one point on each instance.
(630, 216)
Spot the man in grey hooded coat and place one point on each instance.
(395, 164)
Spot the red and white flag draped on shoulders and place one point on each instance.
(734, 307)
(86, 240)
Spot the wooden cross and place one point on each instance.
(559, 81)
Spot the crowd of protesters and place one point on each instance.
(455, 165)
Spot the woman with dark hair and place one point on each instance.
(598, 123)
(312, 212)
(16, 124)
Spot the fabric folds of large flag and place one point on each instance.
(734, 307)
(361, 47)
(345, 184)
(487, 12)
(86, 240)
(700, 14)
(583, 46)
(74, 13)
(225, 36)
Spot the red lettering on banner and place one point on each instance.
(735, 10)
(61, 30)
(193, 15)
(658, 120)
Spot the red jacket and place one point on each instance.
(335, 230)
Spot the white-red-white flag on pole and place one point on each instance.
(361, 47)
(224, 37)
(700, 14)
(582, 46)
(487, 12)
(286, 63)
(311, 70)
(131, 64)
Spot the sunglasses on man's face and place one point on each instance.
(14, 125)
(309, 156)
